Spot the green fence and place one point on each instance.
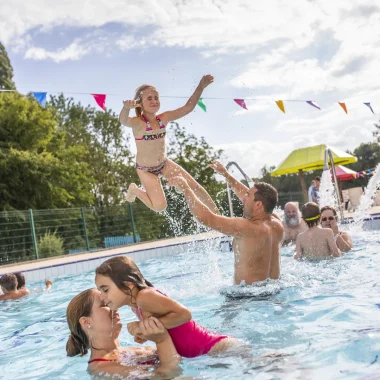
(33, 234)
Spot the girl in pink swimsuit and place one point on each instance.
(121, 283)
(149, 131)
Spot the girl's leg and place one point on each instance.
(153, 197)
(228, 344)
(171, 170)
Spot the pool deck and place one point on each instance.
(105, 253)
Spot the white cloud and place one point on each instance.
(72, 52)
(281, 43)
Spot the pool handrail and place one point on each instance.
(328, 155)
(249, 180)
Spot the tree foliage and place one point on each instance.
(6, 71)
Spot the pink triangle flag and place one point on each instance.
(313, 104)
(100, 100)
(241, 103)
(343, 105)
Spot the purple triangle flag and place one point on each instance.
(313, 104)
(369, 106)
(241, 103)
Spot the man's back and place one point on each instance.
(316, 242)
(257, 256)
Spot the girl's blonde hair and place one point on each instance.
(138, 97)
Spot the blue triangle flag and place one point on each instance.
(369, 106)
(40, 97)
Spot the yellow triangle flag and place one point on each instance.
(280, 105)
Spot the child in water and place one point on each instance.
(149, 130)
(121, 283)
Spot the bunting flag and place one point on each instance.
(40, 97)
(241, 103)
(280, 105)
(201, 104)
(343, 105)
(313, 104)
(100, 100)
(369, 106)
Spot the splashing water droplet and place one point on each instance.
(111, 324)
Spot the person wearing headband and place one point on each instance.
(316, 242)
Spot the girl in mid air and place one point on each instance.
(149, 130)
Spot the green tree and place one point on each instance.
(6, 71)
(105, 147)
(35, 169)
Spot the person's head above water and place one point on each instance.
(328, 216)
(149, 98)
(20, 280)
(8, 282)
(119, 280)
(311, 214)
(292, 215)
(90, 321)
(261, 199)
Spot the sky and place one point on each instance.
(325, 51)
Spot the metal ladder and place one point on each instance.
(249, 180)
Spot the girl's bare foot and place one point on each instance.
(131, 193)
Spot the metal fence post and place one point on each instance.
(132, 222)
(85, 228)
(33, 232)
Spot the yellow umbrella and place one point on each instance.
(308, 159)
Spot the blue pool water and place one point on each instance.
(326, 316)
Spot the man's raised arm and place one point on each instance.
(228, 226)
(239, 189)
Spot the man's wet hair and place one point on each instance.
(317, 179)
(9, 282)
(311, 214)
(267, 195)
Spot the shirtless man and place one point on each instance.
(257, 235)
(8, 283)
(329, 219)
(293, 223)
(316, 242)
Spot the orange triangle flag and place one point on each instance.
(280, 105)
(343, 105)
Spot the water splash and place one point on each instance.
(327, 193)
(367, 199)
(111, 335)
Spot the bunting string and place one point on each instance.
(100, 100)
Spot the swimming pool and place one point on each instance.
(326, 316)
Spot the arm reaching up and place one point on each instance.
(239, 189)
(191, 103)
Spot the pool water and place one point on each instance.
(325, 315)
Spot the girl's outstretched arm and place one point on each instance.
(124, 118)
(170, 313)
(191, 103)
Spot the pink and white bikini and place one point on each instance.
(151, 134)
(190, 339)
